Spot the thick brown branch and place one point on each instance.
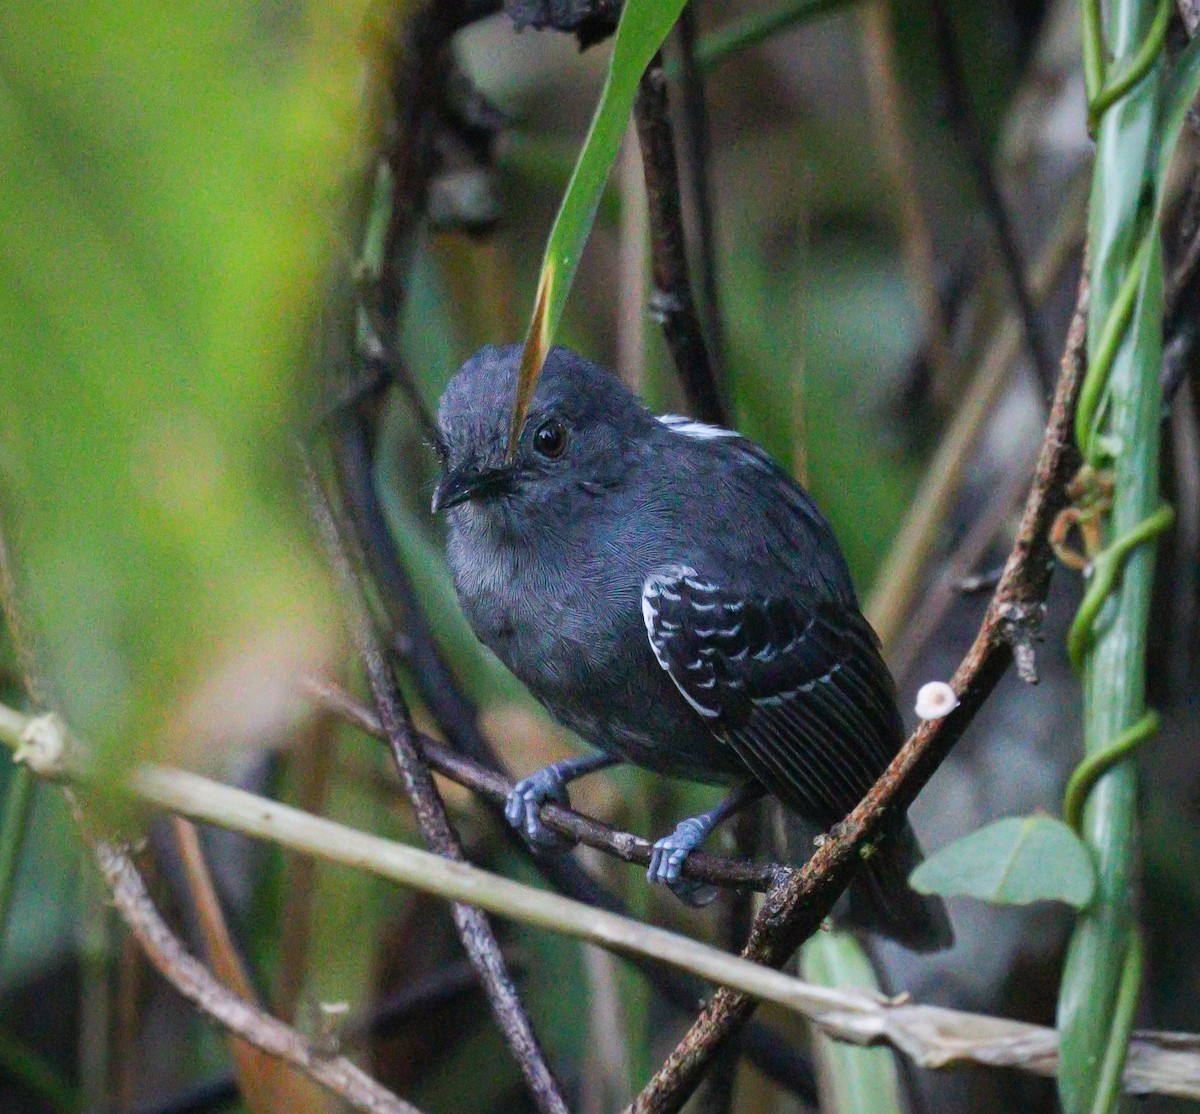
(672, 303)
(193, 980)
(794, 910)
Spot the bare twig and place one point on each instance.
(933, 1037)
(475, 932)
(898, 581)
(966, 126)
(495, 788)
(672, 302)
(697, 180)
(795, 909)
(240, 1017)
(888, 103)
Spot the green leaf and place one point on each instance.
(1014, 861)
(177, 180)
(643, 27)
(852, 1080)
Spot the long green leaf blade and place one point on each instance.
(165, 225)
(640, 34)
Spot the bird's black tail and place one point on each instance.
(881, 900)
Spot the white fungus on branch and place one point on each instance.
(935, 699)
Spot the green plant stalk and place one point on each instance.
(17, 811)
(1136, 68)
(1096, 993)
(851, 1080)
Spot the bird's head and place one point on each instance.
(578, 437)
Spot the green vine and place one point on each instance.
(1117, 513)
(1095, 765)
(1109, 92)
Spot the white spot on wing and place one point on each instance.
(654, 586)
(699, 431)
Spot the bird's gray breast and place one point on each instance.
(556, 618)
(569, 625)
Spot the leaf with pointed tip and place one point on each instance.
(1014, 861)
(643, 27)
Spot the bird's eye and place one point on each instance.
(550, 439)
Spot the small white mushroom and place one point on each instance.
(935, 699)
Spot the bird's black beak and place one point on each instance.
(467, 481)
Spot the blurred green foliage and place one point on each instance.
(163, 249)
(184, 176)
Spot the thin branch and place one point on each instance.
(478, 939)
(672, 303)
(386, 1017)
(899, 580)
(966, 127)
(794, 910)
(246, 1021)
(495, 788)
(697, 180)
(932, 1036)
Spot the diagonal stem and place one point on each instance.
(672, 303)
(795, 909)
(478, 939)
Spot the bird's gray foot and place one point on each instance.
(668, 855)
(549, 784)
(524, 805)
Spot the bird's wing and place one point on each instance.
(800, 692)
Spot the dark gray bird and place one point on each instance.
(673, 597)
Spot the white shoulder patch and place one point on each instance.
(677, 423)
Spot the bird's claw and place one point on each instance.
(522, 809)
(667, 858)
